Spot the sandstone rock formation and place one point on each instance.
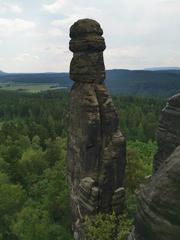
(158, 212)
(96, 147)
(168, 135)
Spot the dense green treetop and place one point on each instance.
(34, 202)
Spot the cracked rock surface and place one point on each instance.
(158, 212)
(96, 147)
(168, 134)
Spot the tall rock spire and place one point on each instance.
(96, 147)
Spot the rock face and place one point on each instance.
(158, 212)
(96, 147)
(168, 135)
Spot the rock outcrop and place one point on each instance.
(168, 134)
(96, 147)
(158, 212)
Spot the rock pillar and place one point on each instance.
(96, 147)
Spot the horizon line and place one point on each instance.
(111, 69)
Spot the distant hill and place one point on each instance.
(143, 83)
(162, 68)
(2, 73)
(175, 70)
(27, 78)
(160, 83)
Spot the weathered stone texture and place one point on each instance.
(158, 213)
(96, 147)
(88, 45)
(168, 134)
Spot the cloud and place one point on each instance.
(54, 7)
(71, 11)
(55, 32)
(35, 34)
(64, 23)
(124, 56)
(10, 8)
(27, 57)
(170, 1)
(138, 33)
(10, 26)
(130, 51)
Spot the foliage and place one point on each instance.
(11, 201)
(107, 226)
(138, 117)
(101, 227)
(139, 163)
(32, 224)
(34, 202)
(125, 227)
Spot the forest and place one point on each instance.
(34, 203)
(122, 82)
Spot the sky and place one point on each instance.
(34, 34)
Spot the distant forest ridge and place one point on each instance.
(149, 83)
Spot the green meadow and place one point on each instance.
(31, 88)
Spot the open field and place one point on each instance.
(31, 88)
(119, 82)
